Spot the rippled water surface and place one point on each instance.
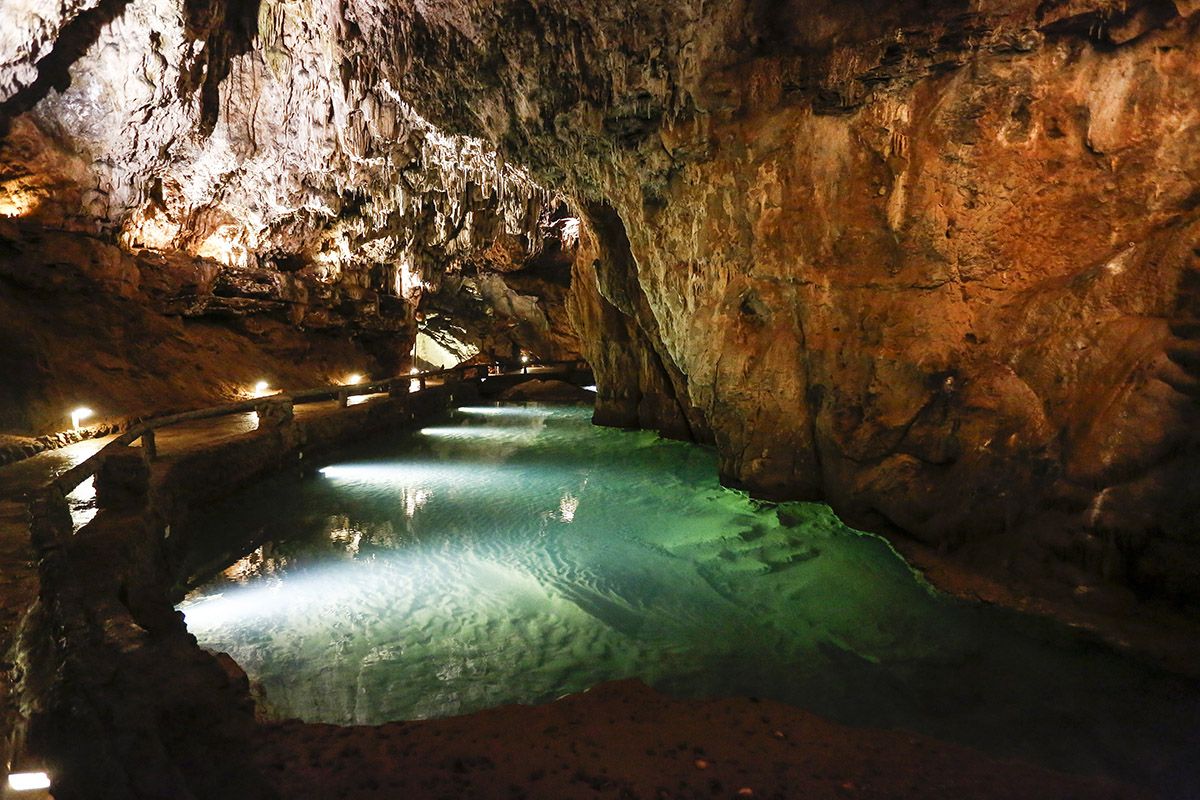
(517, 553)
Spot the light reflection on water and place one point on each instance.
(526, 412)
(517, 553)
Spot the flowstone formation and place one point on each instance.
(936, 263)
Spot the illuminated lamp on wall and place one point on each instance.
(78, 415)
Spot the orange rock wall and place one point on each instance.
(937, 264)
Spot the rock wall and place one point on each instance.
(85, 323)
(240, 186)
(935, 262)
(510, 299)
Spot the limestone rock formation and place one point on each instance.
(83, 322)
(936, 263)
(509, 300)
(233, 177)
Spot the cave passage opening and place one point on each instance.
(515, 553)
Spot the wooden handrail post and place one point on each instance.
(123, 479)
(149, 447)
(343, 399)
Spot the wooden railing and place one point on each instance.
(401, 384)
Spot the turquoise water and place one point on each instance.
(517, 553)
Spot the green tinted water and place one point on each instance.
(517, 553)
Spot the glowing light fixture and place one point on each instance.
(80, 414)
(413, 371)
(353, 379)
(261, 389)
(28, 781)
(524, 359)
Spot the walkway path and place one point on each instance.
(21, 477)
(19, 576)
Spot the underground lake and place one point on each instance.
(516, 553)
